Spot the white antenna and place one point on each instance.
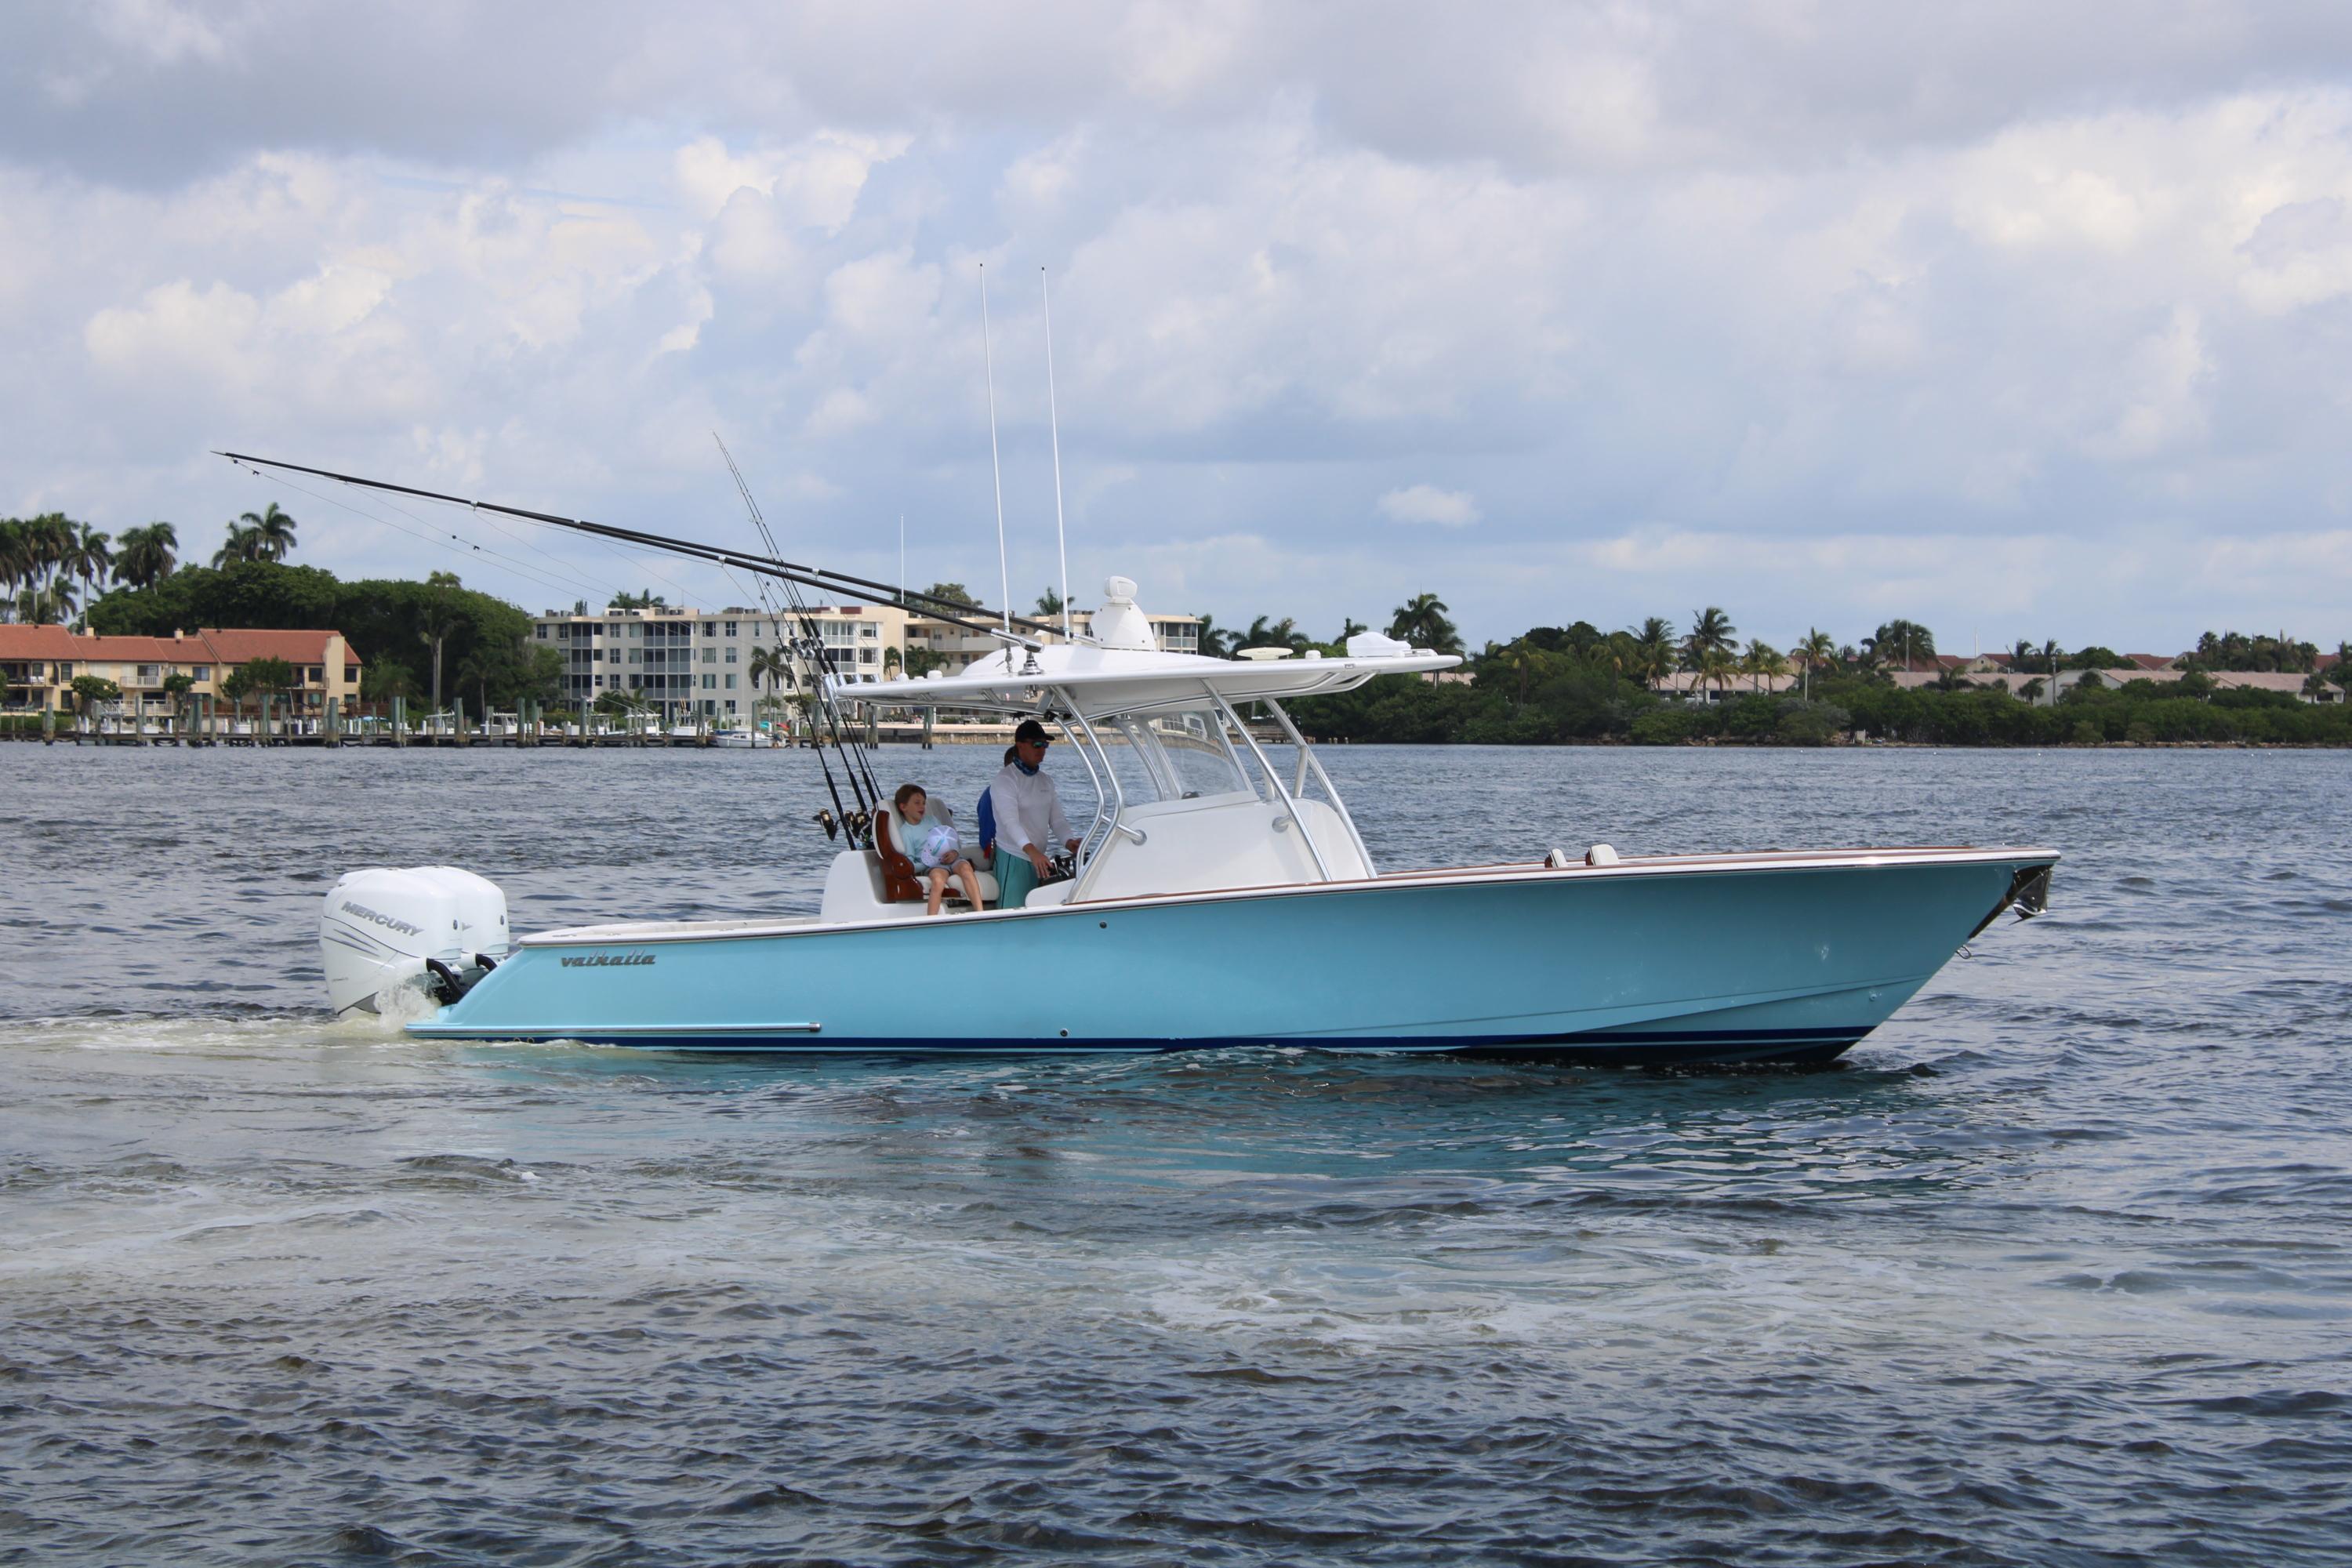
(902, 559)
(1003, 573)
(1053, 416)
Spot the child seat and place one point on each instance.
(902, 879)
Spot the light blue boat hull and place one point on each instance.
(1758, 962)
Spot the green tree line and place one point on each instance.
(1554, 685)
(433, 639)
(51, 567)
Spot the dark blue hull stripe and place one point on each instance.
(1601, 1045)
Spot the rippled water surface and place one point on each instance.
(2054, 1269)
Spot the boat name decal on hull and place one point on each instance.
(607, 960)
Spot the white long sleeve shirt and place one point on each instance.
(1028, 811)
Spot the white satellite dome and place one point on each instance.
(1119, 623)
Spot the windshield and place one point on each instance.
(1182, 755)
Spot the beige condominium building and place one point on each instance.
(699, 662)
(38, 664)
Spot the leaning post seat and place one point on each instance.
(901, 880)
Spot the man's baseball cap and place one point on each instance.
(1033, 733)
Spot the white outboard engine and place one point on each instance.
(435, 928)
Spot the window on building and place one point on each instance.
(351, 675)
(711, 629)
(710, 683)
(732, 654)
(633, 659)
(731, 683)
(710, 656)
(202, 672)
(541, 630)
(148, 675)
(730, 628)
(730, 705)
(637, 629)
(317, 675)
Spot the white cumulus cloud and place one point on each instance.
(1428, 504)
(2007, 315)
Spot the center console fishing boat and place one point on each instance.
(1221, 895)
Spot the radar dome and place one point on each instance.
(1119, 623)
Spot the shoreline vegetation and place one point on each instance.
(1548, 685)
(1579, 685)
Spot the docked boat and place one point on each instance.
(1221, 895)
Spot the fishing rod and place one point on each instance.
(829, 582)
(839, 813)
(814, 651)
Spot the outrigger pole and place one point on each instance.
(817, 577)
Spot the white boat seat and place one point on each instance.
(901, 878)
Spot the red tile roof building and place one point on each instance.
(38, 664)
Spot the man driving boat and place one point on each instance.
(1028, 811)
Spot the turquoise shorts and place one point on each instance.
(1015, 878)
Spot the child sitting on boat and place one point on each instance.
(935, 848)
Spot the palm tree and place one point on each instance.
(772, 664)
(1816, 651)
(31, 556)
(1423, 621)
(384, 680)
(2341, 670)
(241, 544)
(2315, 685)
(273, 532)
(1653, 649)
(1762, 662)
(44, 605)
(439, 619)
(144, 557)
(1715, 667)
(16, 561)
(86, 556)
(1284, 632)
(1524, 662)
(891, 659)
(1215, 641)
(1711, 631)
(478, 670)
(1905, 640)
(1049, 604)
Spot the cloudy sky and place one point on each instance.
(2018, 319)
